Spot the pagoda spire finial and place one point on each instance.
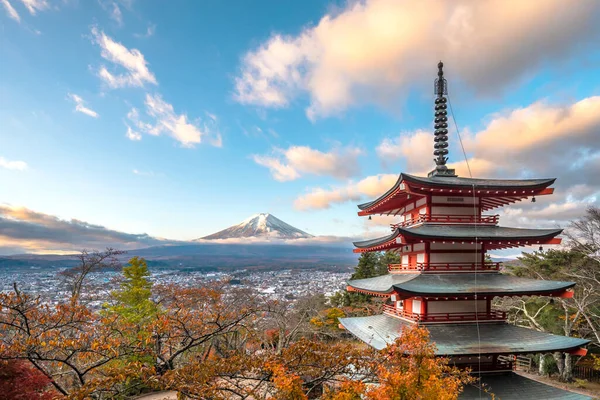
(441, 126)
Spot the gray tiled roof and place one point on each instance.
(460, 283)
(482, 232)
(463, 232)
(363, 244)
(511, 386)
(480, 183)
(382, 283)
(458, 182)
(462, 339)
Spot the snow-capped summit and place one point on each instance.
(262, 225)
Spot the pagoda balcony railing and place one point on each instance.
(445, 317)
(449, 219)
(445, 267)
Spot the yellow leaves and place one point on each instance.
(287, 384)
(347, 390)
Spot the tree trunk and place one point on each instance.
(542, 366)
(560, 363)
(567, 375)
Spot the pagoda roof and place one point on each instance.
(418, 184)
(512, 386)
(494, 284)
(462, 339)
(480, 183)
(459, 233)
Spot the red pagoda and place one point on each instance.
(445, 281)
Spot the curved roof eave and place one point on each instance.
(368, 204)
(479, 182)
(383, 284)
(490, 184)
(363, 244)
(481, 232)
(463, 339)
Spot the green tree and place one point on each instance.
(370, 264)
(384, 259)
(132, 300)
(367, 266)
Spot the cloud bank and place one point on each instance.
(371, 51)
(23, 230)
(289, 164)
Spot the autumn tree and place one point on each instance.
(19, 380)
(405, 370)
(67, 342)
(88, 262)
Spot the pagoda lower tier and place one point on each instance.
(465, 340)
(458, 286)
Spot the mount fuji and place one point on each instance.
(262, 225)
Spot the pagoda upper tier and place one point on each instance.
(492, 237)
(490, 193)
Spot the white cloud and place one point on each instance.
(80, 107)
(115, 14)
(291, 163)
(133, 135)
(411, 147)
(14, 165)
(372, 50)
(178, 126)
(279, 171)
(149, 32)
(12, 13)
(369, 187)
(133, 61)
(35, 5)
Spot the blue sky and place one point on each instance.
(179, 119)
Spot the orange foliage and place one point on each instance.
(203, 343)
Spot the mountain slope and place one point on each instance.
(262, 225)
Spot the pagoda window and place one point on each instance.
(440, 258)
(405, 259)
(456, 306)
(416, 306)
(419, 247)
(449, 210)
